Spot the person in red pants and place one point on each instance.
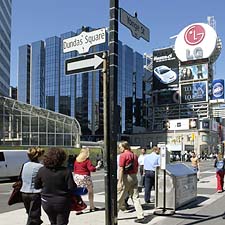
(220, 170)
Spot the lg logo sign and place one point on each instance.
(194, 35)
(197, 41)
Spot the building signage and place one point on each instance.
(197, 41)
(165, 69)
(194, 92)
(182, 124)
(84, 41)
(218, 89)
(193, 72)
(84, 64)
(138, 30)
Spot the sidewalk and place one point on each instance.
(18, 217)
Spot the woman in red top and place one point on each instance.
(82, 175)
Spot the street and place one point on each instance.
(206, 168)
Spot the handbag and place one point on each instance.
(77, 203)
(16, 195)
(80, 191)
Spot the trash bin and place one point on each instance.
(181, 186)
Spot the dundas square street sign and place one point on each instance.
(137, 29)
(84, 64)
(84, 41)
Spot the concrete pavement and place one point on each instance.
(206, 210)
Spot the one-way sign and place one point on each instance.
(84, 64)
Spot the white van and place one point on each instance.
(11, 162)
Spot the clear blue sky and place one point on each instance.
(39, 19)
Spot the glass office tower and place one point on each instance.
(81, 95)
(23, 94)
(5, 44)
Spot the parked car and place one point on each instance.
(165, 74)
(11, 162)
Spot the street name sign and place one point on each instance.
(84, 41)
(84, 64)
(138, 30)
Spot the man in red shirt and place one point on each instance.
(127, 180)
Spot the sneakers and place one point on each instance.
(142, 220)
(219, 191)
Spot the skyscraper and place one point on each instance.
(5, 43)
(80, 95)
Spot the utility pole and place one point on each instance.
(112, 119)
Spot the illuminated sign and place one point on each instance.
(197, 41)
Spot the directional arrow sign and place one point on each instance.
(134, 25)
(84, 64)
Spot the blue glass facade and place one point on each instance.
(5, 44)
(37, 84)
(52, 73)
(81, 95)
(23, 94)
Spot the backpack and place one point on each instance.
(220, 165)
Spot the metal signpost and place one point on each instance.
(138, 30)
(84, 63)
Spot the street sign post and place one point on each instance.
(84, 41)
(84, 64)
(138, 30)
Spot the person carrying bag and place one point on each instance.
(16, 195)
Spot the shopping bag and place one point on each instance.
(77, 203)
(16, 195)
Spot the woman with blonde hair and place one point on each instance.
(219, 164)
(82, 175)
(30, 195)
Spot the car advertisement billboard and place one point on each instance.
(194, 92)
(218, 89)
(193, 72)
(165, 69)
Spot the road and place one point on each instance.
(206, 168)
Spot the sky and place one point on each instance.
(34, 20)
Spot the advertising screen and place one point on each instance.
(165, 69)
(194, 92)
(193, 72)
(166, 97)
(218, 89)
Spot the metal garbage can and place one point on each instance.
(181, 186)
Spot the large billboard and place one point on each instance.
(196, 41)
(165, 69)
(193, 72)
(194, 92)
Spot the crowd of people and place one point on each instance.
(50, 183)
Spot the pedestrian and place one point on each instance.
(195, 164)
(30, 195)
(127, 180)
(126, 199)
(57, 186)
(219, 164)
(151, 161)
(141, 169)
(82, 175)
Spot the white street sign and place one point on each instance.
(84, 41)
(85, 63)
(134, 25)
